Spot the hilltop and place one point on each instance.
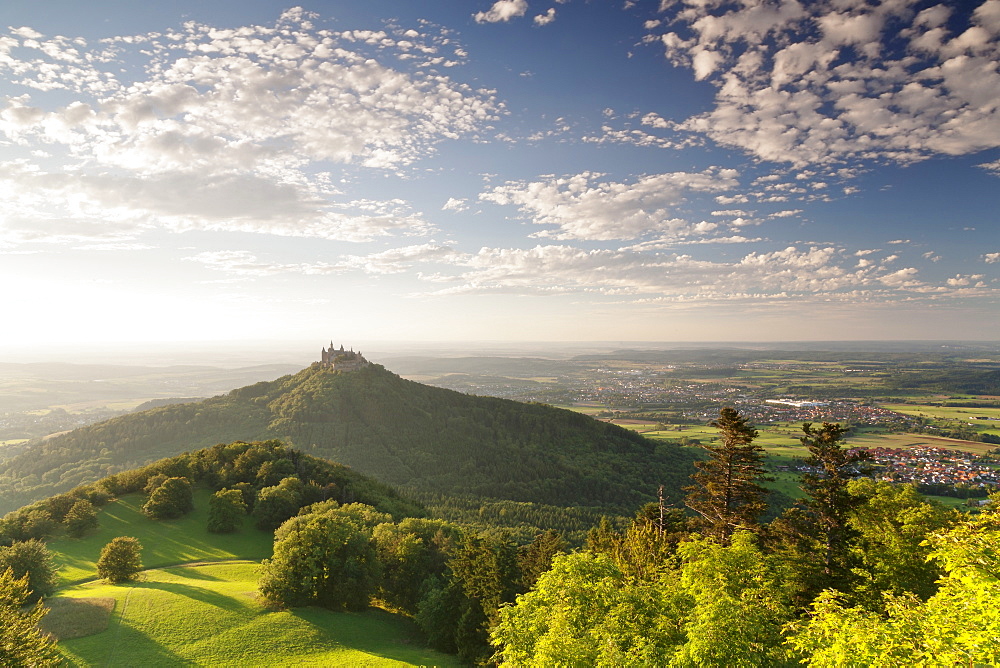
(425, 439)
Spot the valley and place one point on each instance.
(461, 481)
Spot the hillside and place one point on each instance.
(196, 604)
(426, 439)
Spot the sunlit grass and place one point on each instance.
(164, 542)
(210, 615)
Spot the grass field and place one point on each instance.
(197, 605)
(164, 542)
(209, 615)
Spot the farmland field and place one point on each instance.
(916, 440)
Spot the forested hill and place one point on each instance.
(423, 438)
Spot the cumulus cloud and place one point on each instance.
(502, 11)
(582, 206)
(645, 272)
(825, 82)
(546, 18)
(456, 204)
(641, 273)
(991, 258)
(229, 129)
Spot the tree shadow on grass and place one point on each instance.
(374, 632)
(192, 572)
(197, 593)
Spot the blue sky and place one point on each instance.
(517, 170)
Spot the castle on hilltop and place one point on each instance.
(342, 360)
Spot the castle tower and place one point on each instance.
(342, 359)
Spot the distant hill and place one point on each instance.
(425, 439)
(156, 403)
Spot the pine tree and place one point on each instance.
(21, 643)
(819, 523)
(725, 493)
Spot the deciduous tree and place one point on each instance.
(32, 560)
(893, 525)
(120, 560)
(81, 518)
(957, 626)
(171, 499)
(325, 558)
(226, 510)
(276, 504)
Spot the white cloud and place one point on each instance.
(822, 82)
(583, 207)
(785, 213)
(75, 206)
(546, 18)
(991, 257)
(397, 260)
(502, 10)
(822, 273)
(226, 129)
(960, 281)
(991, 167)
(456, 204)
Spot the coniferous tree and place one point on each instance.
(816, 534)
(21, 642)
(536, 557)
(828, 499)
(725, 493)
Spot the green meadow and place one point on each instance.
(196, 604)
(208, 614)
(164, 542)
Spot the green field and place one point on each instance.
(197, 604)
(960, 413)
(209, 615)
(165, 542)
(954, 414)
(915, 440)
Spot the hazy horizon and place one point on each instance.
(242, 353)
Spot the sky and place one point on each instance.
(519, 170)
